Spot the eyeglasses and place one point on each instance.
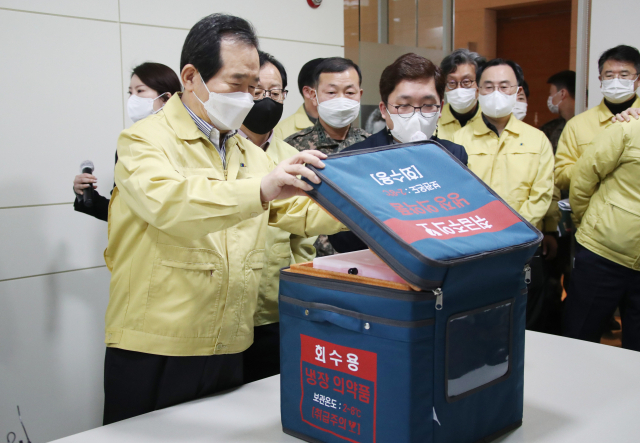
(466, 83)
(623, 76)
(277, 95)
(407, 111)
(504, 88)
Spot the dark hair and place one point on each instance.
(268, 58)
(459, 57)
(158, 77)
(305, 77)
(525, 88)
(564, 80)
(335, 64)
(202, 46)
(410, 67)
(501, 62)
(621, 53)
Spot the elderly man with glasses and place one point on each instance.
(512, 157)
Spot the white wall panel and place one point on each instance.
(62, 104)
(284, 19)
(52, 353)
(293, 55)
(149, 44)
(44, 239)
(609, 28)
(94, 9)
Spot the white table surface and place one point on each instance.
(574, 392)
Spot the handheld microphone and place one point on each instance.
(87, 194)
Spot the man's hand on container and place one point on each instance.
(283, 181)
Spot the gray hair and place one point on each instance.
(461, 57)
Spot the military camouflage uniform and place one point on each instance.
(315, 137)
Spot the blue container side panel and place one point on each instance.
(493, 407)
(390, 371)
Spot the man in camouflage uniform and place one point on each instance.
(337, 93)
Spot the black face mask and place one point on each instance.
(264, 116)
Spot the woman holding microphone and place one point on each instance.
(151, 85)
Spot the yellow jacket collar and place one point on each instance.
(180, 120)
(604, 114)
(447, 117)
(301, 117)
(480, 128)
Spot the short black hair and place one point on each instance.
(525, 88)
(305, 77)
(334, 64)
(158, 77)
(621, 53)
(202, 46)
(268, 58)
(410, 67)
(564, 80)
(500, 62)
(459, 57)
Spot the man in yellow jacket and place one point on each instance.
(461, 91)
(513, 158)
(187, 229)
(307, 114)
(618, 68)
(262, 359)
(605, 199)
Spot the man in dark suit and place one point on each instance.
(411, 92)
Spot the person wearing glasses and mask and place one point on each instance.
(151, 85)
(411, 92)
(337, 94)
(461, 92)
(262, 359)
(188, 221)
(618, 68)
(513, 158)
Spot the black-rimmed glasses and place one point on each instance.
(407, 111)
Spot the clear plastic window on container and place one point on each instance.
(478, 349)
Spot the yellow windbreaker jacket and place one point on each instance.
(449, 125)
(281, 249)
(292, 124)
(577, 134)
(605, 195)
(518, 165)
(187, 238)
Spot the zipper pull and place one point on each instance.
(527, 274)
(438, 293)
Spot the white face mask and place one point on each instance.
(227, 110)
(413, 129)
(462, 100)
(519, 110)
(497, 104)
(338, 112)
(553, 108)
(617, 90)
(140, 107)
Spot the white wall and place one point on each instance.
(611, 23)
(65, 65)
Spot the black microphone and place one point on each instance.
(87, 194)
